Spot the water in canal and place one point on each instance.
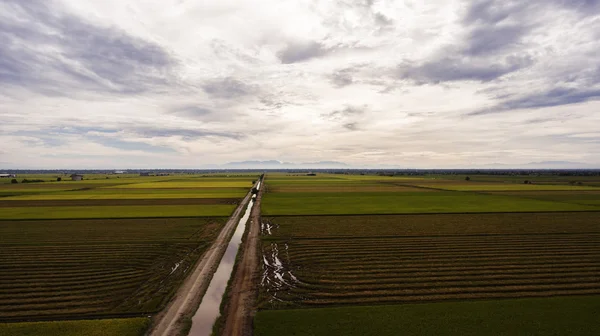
(207, 313)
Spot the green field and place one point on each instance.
(434, 247)
(81, 267)
(104, 246)
(547, 316)
(472, 186)
(430, 225)
(127, 211)
(403, 202)
(107, 327)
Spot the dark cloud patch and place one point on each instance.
(228, 88)
(129, 145)
(342, 77)
(353, 126)
(490, 12)
(491, 39)
(460, 69)
(348, 111)
(296, 52)
(185, 133)
(52, 52)
(552, 97)
(382, 21)
(541, 120)
(192, 111)
(493, 12)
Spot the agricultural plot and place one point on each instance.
(426, 259)
(341, 250)
(112, 193)
(121, 327)
(473, 186)
(405, 202)
(96, 267)
(520, 317)
(132, 197)
(104, 247)
(573, 197)
(118, 211)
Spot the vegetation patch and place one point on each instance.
(395, 203)
(107, 327)
(547, 316)
(66, 268)
(120, 211)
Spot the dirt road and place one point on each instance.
(173, 319)
(240, 309)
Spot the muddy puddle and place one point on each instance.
(207, 313)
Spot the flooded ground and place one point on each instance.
(207, 313)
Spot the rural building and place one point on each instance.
(76, 177)
(119, 172)
(7, 175)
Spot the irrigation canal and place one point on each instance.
(209, 309)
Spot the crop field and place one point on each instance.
(127, 197)
(474, 186)
(117, 211)
(520, 317)
(405, 202)
(336, 254)
(83, 267)
(104, 247)
(121, 327)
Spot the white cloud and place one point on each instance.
(436, 84)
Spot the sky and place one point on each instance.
(410, 84)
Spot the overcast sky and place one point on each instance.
(416, 84)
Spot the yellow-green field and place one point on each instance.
(116, 246)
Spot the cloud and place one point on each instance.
(187, 83)
(353, 126)
(52, 52)
(342, 78)
(553, 97)
(297, 52)
(451, 69)
(348, 111)
(228, 88)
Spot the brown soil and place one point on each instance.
(112, 202)
(241, 305)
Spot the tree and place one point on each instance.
(59, 179)
(467, 178)
(13, 181)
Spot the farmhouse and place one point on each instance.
(7, 175)
(76, 177)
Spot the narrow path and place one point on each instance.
(241, 305)
(173, 319)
